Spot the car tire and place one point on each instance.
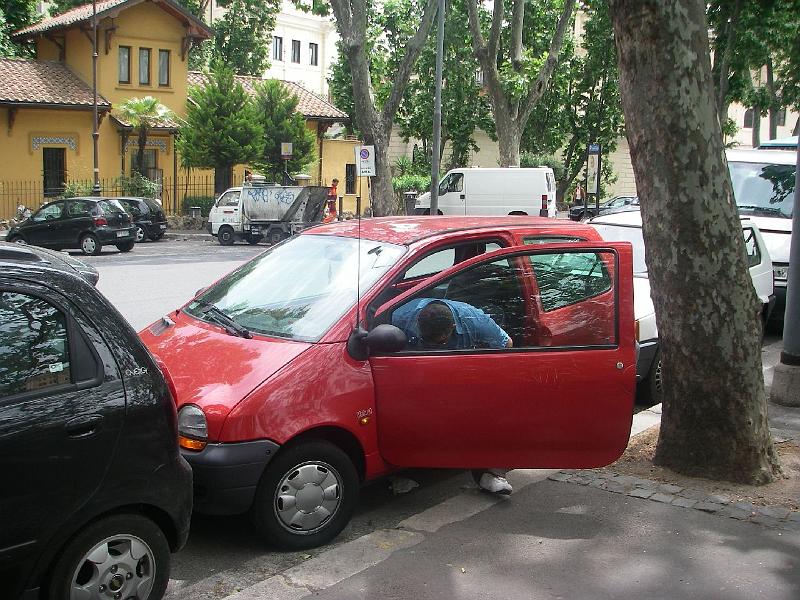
(225, 236)
(126, 554)
(126, 246)
(327, 498)
(275, 236)
(90, 245)
(18, 239)
(253, 239)
(652, 388)
(141, 234)
(154, 237)
(428, 212)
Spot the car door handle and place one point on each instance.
(462, 196)
(81, 427)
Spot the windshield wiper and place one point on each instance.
(226, 322)
(763, 209)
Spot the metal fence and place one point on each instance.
(172, 192)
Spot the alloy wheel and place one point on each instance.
(119, 567)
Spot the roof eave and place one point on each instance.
(56, 105)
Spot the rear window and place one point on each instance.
(110, 207)
(152, 205)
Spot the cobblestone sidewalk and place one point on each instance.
(770, 516)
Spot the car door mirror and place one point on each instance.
(382, 339)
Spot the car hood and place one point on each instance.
(777, 234)
(212, 369)
(642, 301)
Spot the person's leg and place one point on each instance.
(493, 480)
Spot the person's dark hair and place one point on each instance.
(435, 321)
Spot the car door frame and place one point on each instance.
(43, 233)
(416, 430)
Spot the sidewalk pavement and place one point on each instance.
(559, 536)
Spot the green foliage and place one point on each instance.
(74, 189)
(59, 6)
(408, 183)
(276, 110)
(418, 165)
(242, 37)
(221, 128)
(528, 159)
(143, 114)
(14, 15)
(206, 203)
(139, 186)
(7, 48)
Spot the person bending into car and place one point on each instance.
(433, 324)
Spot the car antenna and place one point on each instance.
(358, 271)
(356, 343)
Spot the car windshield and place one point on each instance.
(299, 289)
(763, 189)
(623, 233)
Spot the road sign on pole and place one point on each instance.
(365, 161)
(286, 150)
(593, 169)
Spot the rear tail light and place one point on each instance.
(100, 221)
(544, 201)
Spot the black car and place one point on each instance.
(88, 272)
(95, 493)
(148, 217)
(85, 223)
(578, 211)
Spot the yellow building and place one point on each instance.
(143, 46)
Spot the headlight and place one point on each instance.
(781, 272)
(192, 428)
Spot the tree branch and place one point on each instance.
(497, 25)
(517, 19)
(344, 19)
(537, 89)
(403, 74)
(725, 61)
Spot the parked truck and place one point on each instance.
(254, 212)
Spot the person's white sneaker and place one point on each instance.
(495, 484)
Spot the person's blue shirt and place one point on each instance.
(473, 327)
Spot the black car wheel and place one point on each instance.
(90, 245)
(276, 236)
(225, 235)
(306, 495)
(141, 234)
(122, 556)
(17, 239)
(651, 389)
(126, 246)
(157, 236)
(253, 239)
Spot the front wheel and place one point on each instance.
(306, 495)
(141, 234)
(225, 236)
(126, 246)
(90, 245)
(17, 239)
(121, 556)
(652, 388)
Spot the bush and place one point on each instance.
(408, 183)
(138, 186)
(206, 203)
(528, 159)
(75, 189)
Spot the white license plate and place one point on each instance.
(122, 233)
(162, 226)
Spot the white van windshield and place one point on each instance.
(299, 289)
(763, 189)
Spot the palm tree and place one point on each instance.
(143, 114)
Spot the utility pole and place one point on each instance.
(786, 381)
(95, 132)
(437, 113)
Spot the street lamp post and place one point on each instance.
(437, 113)
(95, 132)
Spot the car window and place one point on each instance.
(569, 277)
(229, 199)
(110, 207)
(751, 246)
(446, 258)
(48, 213)
(133, 206)
(555, 239)
(456, 183)
(34, 349)
(79, 208)
(151, 206)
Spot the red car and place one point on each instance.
(294, 385)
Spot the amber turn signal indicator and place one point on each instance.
(190, 444)
(364, 420)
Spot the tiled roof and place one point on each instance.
(83, 13)
(311, 105)
(27, 81)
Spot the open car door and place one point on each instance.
(561, 396)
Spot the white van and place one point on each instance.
(763, 186)
(509, 191)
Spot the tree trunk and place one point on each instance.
(223, 178)
(140, 152)
(381, 198)
(773, 101)
(714, 421)
(509, 136)
(756, 132)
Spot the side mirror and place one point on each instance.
(384, 338)
(201, 290)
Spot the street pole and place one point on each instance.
(437, 113)
(95, 132)
(786, 380)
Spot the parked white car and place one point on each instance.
(627, 226)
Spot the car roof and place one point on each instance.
(407, 230)
(31, 257)
(633, 218)
(774, 157)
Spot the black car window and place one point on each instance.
(48, 213)
(79, 208)
(134, 207)
(110, 207)
(152, 205)
(34, 349)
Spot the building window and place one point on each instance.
(163, 67)
(350, 179)
(124, 64)
(296, 51)
(781, 118)
(748, 118)
(313, 54)
(277, 48)
(54, 170)
(150, 161)
(144, 66)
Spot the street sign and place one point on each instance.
(365, 161)
(593, 169)
(286, 150)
